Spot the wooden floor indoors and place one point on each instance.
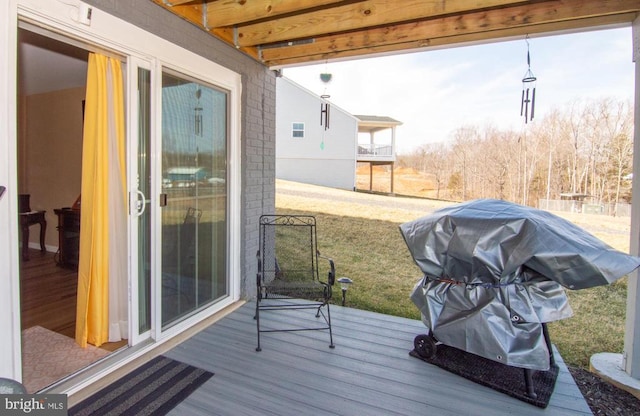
(48, 296)
(370, 372)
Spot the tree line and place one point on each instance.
(584, 148)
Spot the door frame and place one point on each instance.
(10, 345)
(133, 118)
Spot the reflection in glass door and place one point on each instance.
(194, 196)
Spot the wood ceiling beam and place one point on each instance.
(194, 13)
(352, 16)
(234, 12)
(179, 2)
(353, 28)
(472, 24)
(190, 12)
(456, 40)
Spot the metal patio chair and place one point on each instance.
(288, 278)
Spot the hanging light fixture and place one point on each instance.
(528, 99)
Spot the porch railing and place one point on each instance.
(375, 150)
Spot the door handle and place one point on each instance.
(140, 204)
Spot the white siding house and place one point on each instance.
(306, 151)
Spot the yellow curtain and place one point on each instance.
(103, 123)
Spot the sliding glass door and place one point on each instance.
(194, 196)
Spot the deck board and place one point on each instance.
(369, 372)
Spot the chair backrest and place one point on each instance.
(23, 203)
(288, 248)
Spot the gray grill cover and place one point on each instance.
(494, 271)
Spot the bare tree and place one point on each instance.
(573, 126)
(435, 156)
(463, 145)
(617, 130)
(583, 148)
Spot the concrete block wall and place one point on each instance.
(258, 113)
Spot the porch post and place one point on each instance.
(392, 166)
(393, 142)
(370, 176)
(631, 353)
(393, 153)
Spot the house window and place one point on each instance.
(297, 130)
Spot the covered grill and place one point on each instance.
(495, 273)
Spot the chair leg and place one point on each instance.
(257, 318)
(43, 230)
(330, 331)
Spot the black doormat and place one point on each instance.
(152, 389)
(503, 378)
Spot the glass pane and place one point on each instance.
(144, 186)
(194, 179)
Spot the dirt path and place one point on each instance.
(294, 195)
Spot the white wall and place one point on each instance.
(322, 157)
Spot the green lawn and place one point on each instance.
(373, 254)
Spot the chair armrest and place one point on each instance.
(259, 273)
(331, 278)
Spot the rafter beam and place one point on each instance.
(472, 24)
(288, 32)
(179, 2)
(191, 12)
(194, 13)
(234, 12)
(353, 16)
(456, 40)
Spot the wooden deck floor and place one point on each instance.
(369, 372)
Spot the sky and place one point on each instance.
(435, 92)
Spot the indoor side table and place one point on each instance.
(28, 219)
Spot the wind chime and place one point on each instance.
(197, 120)
(528, 100)
(325, 107)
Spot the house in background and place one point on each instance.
(310, 151)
